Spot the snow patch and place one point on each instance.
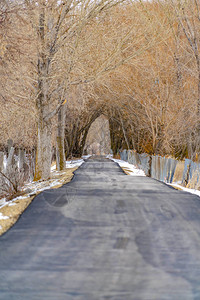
(36, 187)
(3, 217)
(12, 204)
(74, 163)
(53, 168)
(86, 156)
(4, 162)
(131, 169)
(70, 164)
(191, 191)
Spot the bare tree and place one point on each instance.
(188, 17)
(66, 26)
(77, 60)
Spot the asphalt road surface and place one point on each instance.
(106, 236)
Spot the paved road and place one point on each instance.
(106, 236)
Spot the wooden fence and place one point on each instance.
(165, 169)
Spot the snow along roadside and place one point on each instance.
(39, 186)
(132, 170)
(180, 187)
(128, 168)
(11, 210)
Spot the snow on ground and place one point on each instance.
(71, 164)
(3, 201)
(131, 169)
(74, 163)
(39, 186)
(36, 187)
(191, 191)
(86, 156)
(3, 217)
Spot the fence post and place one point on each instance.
(21, 158)
(168, 169)
(186, 171)
(137, 159)
(187, 175)
(10, 160)
(150, 165)
(32, 165)
(162, 168)
(173, 168)
(1, 161)
(158, 167)
(10, 145)
(153, 167)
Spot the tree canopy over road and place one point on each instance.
(64, 63)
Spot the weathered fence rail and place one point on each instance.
(165, 169)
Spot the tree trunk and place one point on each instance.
(116, 136)
(60, 151)
(43, 153)
(198, 114)
(83, 140)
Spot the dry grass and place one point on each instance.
(14, 209)
(176, 187)
(13, 212)
(126, 170)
